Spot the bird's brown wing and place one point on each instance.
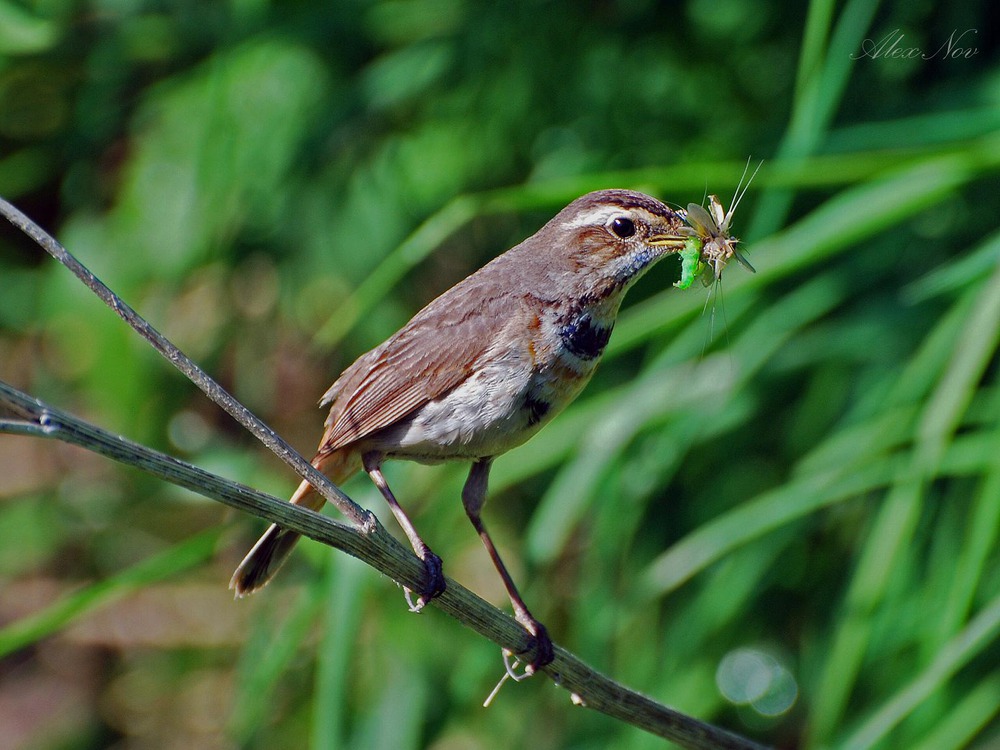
(436, 351)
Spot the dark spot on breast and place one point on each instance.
(584, 338)
(536, 408)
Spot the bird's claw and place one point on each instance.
(540, 647)
(512, 661)
(434, 582)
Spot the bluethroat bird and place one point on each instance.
(482, 368)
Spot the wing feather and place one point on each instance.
(432, 354)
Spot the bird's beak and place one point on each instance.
(674, 239)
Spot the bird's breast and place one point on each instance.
(566, 345)
(538, 363)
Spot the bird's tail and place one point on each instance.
(272, 549)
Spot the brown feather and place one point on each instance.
(429, 356)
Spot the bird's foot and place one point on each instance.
(540, 648)
(434, 581)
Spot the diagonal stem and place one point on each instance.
(275, 443)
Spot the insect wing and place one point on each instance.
(721, 220)
(701, 220)
(743, 261)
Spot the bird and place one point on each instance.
(482, 368)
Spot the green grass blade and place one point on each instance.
(751, 520)
(346, 579)
(266, 657)
(814, 42)
(973, 557)
(55, 617)
(815, 105)
(417, 246)
(966, 719)
(975, 348)
(956, 273)
(982, 631)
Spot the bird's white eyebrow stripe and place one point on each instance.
(596, 216)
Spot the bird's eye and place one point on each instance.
(623, 227)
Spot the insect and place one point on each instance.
(708, 245)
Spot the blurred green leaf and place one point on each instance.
(23, 33)
(57, 616)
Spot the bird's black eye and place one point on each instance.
(623, 227)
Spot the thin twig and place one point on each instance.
(385, 553)
(368, 541)
(274, 442)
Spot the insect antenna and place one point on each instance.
(741, 190)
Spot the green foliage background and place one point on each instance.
(775, 508)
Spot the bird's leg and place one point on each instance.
(473, 497)
(435, 583)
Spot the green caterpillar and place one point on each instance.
(691, 263)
